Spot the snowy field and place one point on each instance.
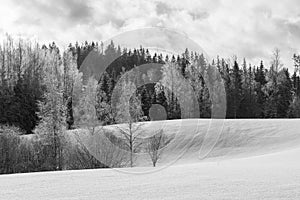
(253, 159)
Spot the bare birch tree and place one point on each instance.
(85, 111)
(155, 145)
(129, 112)
(52, 110)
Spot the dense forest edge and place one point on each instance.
(45, 91)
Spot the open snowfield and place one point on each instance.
(252, 159)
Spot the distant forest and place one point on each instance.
(265, 90)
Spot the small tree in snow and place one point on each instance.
(155, 144)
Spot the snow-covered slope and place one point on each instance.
(253, 159)
(199, 140)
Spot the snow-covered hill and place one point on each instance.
(211, 140)
(252, 159)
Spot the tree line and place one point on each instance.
(251, 91)
(46, 91)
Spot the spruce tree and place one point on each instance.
(236, 89)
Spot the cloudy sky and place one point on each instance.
(249, 28)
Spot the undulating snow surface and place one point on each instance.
(252, 159)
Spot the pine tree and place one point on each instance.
(236, 89)
(260, 80)
(251, 93)
(245, 107)
(284, 93)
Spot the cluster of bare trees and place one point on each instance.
(43, 86)
(128, 112)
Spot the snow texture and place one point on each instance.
(253, 159)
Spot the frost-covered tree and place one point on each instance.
(168, 85)
(85, 111)
(9, 141)
(195, 74)
(297, 62)
(177, 91)
(20, 67)
(272, 85)
(128, 111)
(71, 77)
(52, 109)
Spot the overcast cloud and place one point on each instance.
(250, 29)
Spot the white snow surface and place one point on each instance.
(253, 159)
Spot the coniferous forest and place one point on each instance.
(44, 91)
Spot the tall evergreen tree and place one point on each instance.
(236, 89)
(260, 79)
(284, 93)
